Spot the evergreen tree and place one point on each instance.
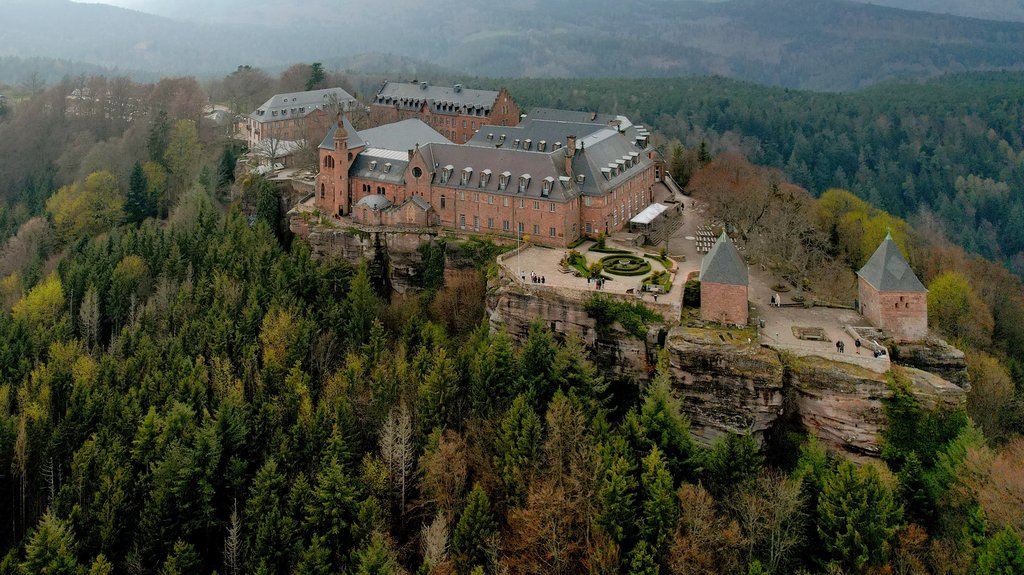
(642, 560)
(857, 517)
(139, 204)
(1001, 554)
(662, 423)
(362, 306)
(331, 510)
(658, 500)
(51, 548)
(159, 138)
(494, 372)
(226, 167)
(316, 558)
(733, 460)
(316, 76)
(536, 361)
(517, 448)
(616, 490)
(377, 557)
(269, 529)
(438, 394)
(703, 156)
(182, 560)
(915, 491)
(268, 205)
(574, 373)
(471, 538)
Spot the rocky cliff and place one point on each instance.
(726, 380)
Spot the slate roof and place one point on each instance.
(402, 136)
(375, 202)
(498, 161)
(441, 99)
(723, 264)
(372, 163)
(354, 139)
(582, 117)
(888, 270)
(300, 104)
(551, 132)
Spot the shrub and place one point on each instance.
(691, 295)
(625, 265)
(633, 317)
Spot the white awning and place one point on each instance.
(649, 214)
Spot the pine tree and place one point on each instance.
(642, 561)
(916, 493)
(316, 558)
(362, 307)
(159, 138)
(377, 557)
(51, 548)
(536, 361)
(182, 560)
(616, 490)
(857, 517)
(574, 373)
(139, 205)
(658, 501)
(517, 448)
(438, 394)
(662, 423)
(733, 460)
(703, 156)
(316, 76)
(226, 167)
(268, 205)
(1001, 554)
(331, 510)
(471, 539)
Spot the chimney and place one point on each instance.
(458, 87)
(410, 155)
(423, 85)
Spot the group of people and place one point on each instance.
(534, 278)
(776, 300)
(598, 282)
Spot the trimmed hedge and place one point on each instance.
(606, 250)
(626, 265)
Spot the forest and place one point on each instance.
(185, 389)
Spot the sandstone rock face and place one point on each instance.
(934, 356)
(514, 307)
(727, 381)
(726, 385)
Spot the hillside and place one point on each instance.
(828, 45)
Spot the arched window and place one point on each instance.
(323, 191)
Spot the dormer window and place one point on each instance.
(564, 180)
(542, 146)
(580, 178)
(545, 187)
(524, 183)
(490, 136)
(622, 165)
(501, 138)
(556, 146)
(607, 173)
(467, 174)
(527, 144)
(485, 176)
(635, 157)
(503, 180)
(373, 165)
(446, 173)
(515, 144)
(387, 167)
(274, 113)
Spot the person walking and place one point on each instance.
(857, 345)
(839, 347)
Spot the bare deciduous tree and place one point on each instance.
(398, 451)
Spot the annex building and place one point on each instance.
(552, 177)
(890, 296)
(291, 117)
(454, 112)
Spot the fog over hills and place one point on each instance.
(818, 44)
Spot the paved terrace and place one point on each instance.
(543, 261)
(836, 323)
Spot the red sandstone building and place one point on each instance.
(551, 180)
(296, 116)
(454, 112)
(723, 284)
(890, 295)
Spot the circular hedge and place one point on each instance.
(625, 265)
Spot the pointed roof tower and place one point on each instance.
(888, 270)
(723, 264)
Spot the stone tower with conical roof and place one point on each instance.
(890, 296)
(723, 284)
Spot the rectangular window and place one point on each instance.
(463, 123)
(589, 229)
(536, 205)
(490, 199)
(505, 226)
(462, 196)
(520, 204)
(586, 201)
(490, 223)
(536, 229)
(462, 221)
(551, 232)
(551, 207)
(442, 201)
(522, 227)
(504, 202)
(476, 223)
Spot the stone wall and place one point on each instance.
(902, 314)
